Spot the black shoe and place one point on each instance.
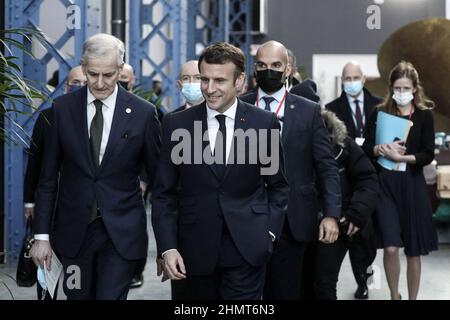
(362, 292)
(137, 281)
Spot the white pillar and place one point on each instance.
(447, 9)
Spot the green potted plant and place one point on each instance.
(16, 90)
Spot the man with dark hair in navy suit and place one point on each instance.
(215, 221)
(309, 160)
(101, 137)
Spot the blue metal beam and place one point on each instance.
(21, 14)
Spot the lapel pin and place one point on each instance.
(242, 119)
(291, 106)
(128, 110)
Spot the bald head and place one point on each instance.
(272, 66)
(126, 77)
(352, 68)
(353, 78)
(273, 47)
(189, 71)
(189, 83)
(75, 79)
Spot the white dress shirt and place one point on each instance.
(109, 104)
(278, 96)
(213, 125)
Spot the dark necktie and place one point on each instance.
(221, 141)
(359, 120)
(96, 131)
(268, 100)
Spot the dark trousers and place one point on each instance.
(233, 279)
(362, 252)
(140, 266)
(285, 270)
(98, 272)
(329, 259)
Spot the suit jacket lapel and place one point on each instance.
(367, 103)
(348, 116)
(79, 116)
(240, 122)
(119, 122)
(202, 116)
(288, 119)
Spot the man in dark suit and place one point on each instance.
(309, 160)
(75, 80)
(356, 103)
(214, 219)
(354, 107)
(101, 137)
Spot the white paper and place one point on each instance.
(359, 141)
(401, 166)
(52, 276)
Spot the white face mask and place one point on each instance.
(402, 98)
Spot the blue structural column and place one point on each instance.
(155, 44)
(82, 20)
(185, 28)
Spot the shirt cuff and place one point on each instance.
(273, 236)
(28, 205)
(166, 252)
(41, 236)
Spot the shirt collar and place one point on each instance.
(109, 102)
(230, 113)
(278, 96)
(360, 98)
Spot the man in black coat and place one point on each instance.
(309, 160)
(354, 108)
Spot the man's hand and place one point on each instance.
(160, 269)
(40, 252)
(352, 229)
(29, 213)
(328, 230)
(173, 265)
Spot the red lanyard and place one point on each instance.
(410, 112)
(279, 106)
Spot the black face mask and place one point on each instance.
(270, 80)
(124, 84)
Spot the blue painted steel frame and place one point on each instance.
(179, 20)
(21, 14)
(168, 69)
(217, 20)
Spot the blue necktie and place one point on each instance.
(268, 100)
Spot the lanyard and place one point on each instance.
(279, 106)
(410, 113)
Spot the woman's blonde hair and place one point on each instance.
(405, 69)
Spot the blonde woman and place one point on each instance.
(404, 217)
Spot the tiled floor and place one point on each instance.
(435, 283)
